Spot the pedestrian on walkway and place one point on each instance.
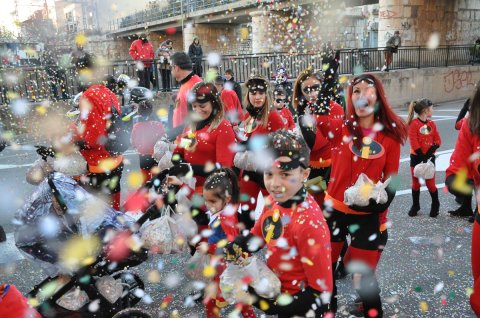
(424, 142)
(196, 55)
(231, 84)
(163, 54)
(367, 142)
(391, 47)
(464, 172)
(182, 72)
(142, 51)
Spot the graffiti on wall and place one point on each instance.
(387, 14)
(457, 79)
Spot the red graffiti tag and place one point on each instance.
(387, 14)
(457, 80)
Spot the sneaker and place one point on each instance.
(3, 236)
(384, 68)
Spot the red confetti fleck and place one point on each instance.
(118, 247)
(372, 313)
(171, 30)
(136, 201)
(167, 299)
(247, 279)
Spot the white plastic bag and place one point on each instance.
(163, 235)
(110, 288)
(424, 170)
(364, 189)
(195, 266)
(263, 280)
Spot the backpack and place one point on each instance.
(118, 133)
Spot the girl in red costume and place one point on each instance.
(295, 234)
(367, 142)
(259, 120)
(424, 141)
(313, 110)
(463, 163)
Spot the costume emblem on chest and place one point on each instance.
(272, 227)
(425, 130)
(370, 149)
(250, 125)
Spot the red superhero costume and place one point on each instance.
(14, 304)
(231, 103)
(467, 144)
(287, 118)
(91, 134)
(202, 146)
(181, 111)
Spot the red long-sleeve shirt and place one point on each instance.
(140, 51)
(210, 146)
(423, 135)
(303, 258)
(274, 123)
(231, 103)
(95, 106)
(287, 118)
(181, 110)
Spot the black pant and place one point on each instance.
(106, 183)
(197, 69)
(144, 77)
(166, 79)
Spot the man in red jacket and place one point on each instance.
(182, 72)
(142, 50)
(231, 103)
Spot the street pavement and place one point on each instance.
(424, 270)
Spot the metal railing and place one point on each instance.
(172, 9)
(38, 83)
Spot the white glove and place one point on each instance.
(161, 148)
(245, 160)
(166, 161)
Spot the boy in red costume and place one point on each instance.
(295, 232)
(14, 304)
(424, 141)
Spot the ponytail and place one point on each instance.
(225, 182)
(411, 109)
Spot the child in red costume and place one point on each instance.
(257, 122)
(280, 103)
(91, 135)
(463, 165)
(313, 109)
(295, 232)
(424, 142)
(14, 304)
(221, 193)
(369, 142)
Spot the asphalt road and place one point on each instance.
(424, 270)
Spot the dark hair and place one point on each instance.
(284, 141)
(474, 120)
(393, 125)
(207, 92)
(417, 106)
(219, 80)
(182, 60)
(279, 90)
(229, 71)
(225, 183)
(145, 108)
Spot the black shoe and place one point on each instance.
(462, 211)
(416, 203)
(435, 208)
(458, 199)
(471, 219)
(357, 311)
(3, 236)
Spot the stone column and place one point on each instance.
(261, 29)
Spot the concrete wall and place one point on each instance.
(437, 84)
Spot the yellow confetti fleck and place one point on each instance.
(154, 276)
(41, 110)
(222, 243)
(264, 305)
(460, 184)
(107, 164)
(81, 39)
(78, 249)
(209, 271)
(423, 306)
(135, 179)
(468, 291)
(343, 79)
(451, 273)
(33, 302)
(306, 261)
(162, 112)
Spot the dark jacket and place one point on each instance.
(196, 53)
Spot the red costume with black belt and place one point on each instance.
(250, 187)
(423, 136)
(92, 131)
(301, 228)
(467, 144)
(204, 146)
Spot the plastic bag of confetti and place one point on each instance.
(162, 235)
(232, 283)
(110, 288)
(365, 189)
(195, 266)
(424, 170)
(265, 282)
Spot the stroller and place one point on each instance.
(101, 288)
